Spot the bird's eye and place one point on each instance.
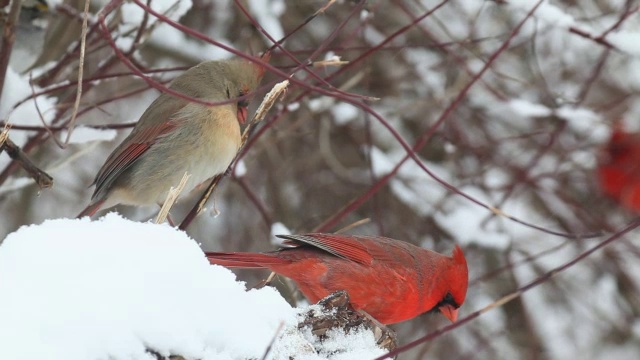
(448, 299)
(243, 102)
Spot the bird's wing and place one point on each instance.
(127, 153)
(343, 246)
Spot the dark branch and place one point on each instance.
(43, 179)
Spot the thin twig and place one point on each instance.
(83, 42)
(4, 134)
(273, 340)
(43, 179)
(255, 200)
(353, 225)
(8, 38)
(172, 196)
(40, 116)
(597, 39)
(334, 61)
(126, 125)
(266, 281)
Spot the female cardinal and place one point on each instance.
(175, 135)
(619, 169)
(391, 280)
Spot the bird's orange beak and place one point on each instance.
(242, 114)
(450, 312)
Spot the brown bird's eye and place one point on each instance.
(243, 102)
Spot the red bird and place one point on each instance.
(619, 169)
(389, 279)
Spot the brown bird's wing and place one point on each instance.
(130, 150)
(343, 246)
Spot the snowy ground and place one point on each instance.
(114, 288)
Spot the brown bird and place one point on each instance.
(389, 279)
(175, 135)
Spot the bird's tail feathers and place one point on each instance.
(245, 260)
(91, 209)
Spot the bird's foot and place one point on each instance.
(382, 333)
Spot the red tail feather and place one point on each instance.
(91, 209)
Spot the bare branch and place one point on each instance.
(41, 178)
(83, 42)
(172, 196)
(8, 38)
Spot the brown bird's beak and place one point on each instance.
(449, 311)
(242, 114)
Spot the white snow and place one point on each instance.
(17, 88)
(343, 113)
(83, 134)
(189, 47)
(411, 185)
(529, 109)
(424, 61)
(585, 121)
(278, 228)
(321, 103)
(546, 12)
(627, 41)
(293, 106)
(267, 14)
(240, 168)
(112, 288)
(304, 346)
(15, 184)
(476, 228)
(132, 16)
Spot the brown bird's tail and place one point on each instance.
(245, 260)
(91, 209)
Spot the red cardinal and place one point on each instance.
(619, 169)
(389, 279)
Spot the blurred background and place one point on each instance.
(504, 106)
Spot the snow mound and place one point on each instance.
(117, 289)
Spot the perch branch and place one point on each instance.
(172, 196)
(43, 179)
